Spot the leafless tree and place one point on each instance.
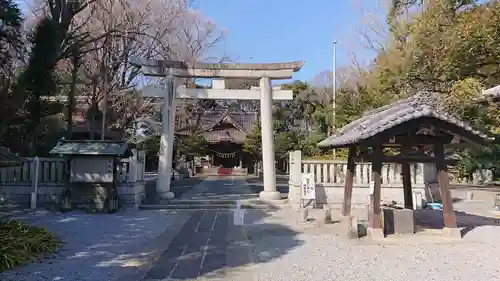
(109, 32)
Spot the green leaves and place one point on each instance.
(253, 142)
(10, 32)
(20, 243)
(192, 144)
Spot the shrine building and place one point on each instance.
(225, 129)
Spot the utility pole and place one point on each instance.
(334, 90)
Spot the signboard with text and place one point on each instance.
(308, 187)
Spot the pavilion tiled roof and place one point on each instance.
(9, 158)
(381, 119)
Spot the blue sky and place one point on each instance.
(288, 30)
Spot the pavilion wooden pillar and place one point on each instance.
(374, 216)
(406, 171)
(450, 221)
(349, 179)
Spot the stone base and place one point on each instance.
(270, 195)
(398, 221)
(168, 195)
(452, 232)
(375, 233)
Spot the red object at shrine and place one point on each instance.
(225, 171)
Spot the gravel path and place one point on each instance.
(286, 250)
(98, 246)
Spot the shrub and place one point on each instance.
(20, 243)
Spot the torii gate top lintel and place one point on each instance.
(218, 70)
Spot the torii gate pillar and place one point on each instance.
(270, 191)
(265, 72)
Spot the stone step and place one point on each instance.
(220, 201)
(215, 204)
(203, 207)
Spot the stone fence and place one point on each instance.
(18, 184)
(329, 178)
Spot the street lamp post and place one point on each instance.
(334, 90)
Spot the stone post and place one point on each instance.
(268, 161)
(132, 167)
(295, 178)
(166, 142)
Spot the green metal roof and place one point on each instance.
(8, 158)
(104, 148)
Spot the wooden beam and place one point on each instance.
(407, 190)
(402, 159)
(374, 216)
(216, 94)
(349, 178)
(450, 221)
(417, 140)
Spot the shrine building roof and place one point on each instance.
(423, 106)
(92, 148)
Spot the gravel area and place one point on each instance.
(284, 249)
(96, 246)
(324, 257)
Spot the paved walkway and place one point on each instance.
(220, 187)
(209, 245)
(178, 187)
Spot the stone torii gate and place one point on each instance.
(219, 72)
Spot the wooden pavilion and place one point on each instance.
(418, 129)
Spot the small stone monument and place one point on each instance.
(470, 196)
(328, 213)
(304, 213)
(352, 228)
